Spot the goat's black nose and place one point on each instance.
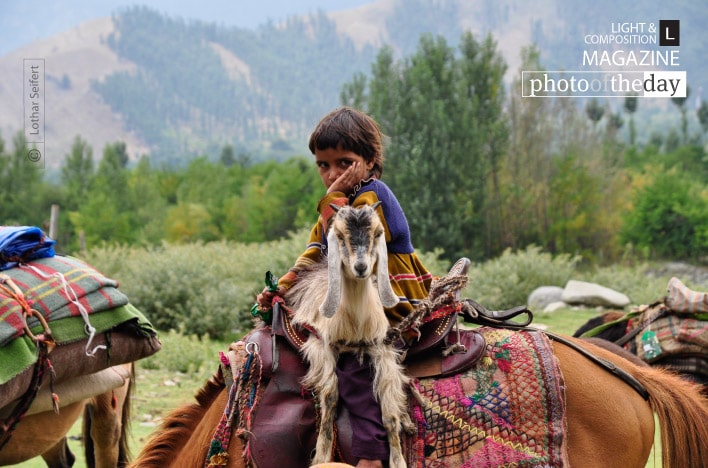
(360, 268)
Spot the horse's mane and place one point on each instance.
(177, 427)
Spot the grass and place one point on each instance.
(171, 377)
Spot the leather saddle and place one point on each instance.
(286, 417)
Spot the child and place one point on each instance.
(348, 149)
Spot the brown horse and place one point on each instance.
(608, 423)
(691, 366)
(105, 430)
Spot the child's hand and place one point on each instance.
(349, 178)
(265, 298)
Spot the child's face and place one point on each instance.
(340, 170)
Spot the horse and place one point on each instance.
(690, 366)
(105, 430)
(609, 424)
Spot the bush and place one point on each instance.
(508, 280)
(202, 289)
(196, 356)
(670, 217)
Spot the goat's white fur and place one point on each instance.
(358, 297)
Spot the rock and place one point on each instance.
(553, 306)
(544, 295)
(581, 292)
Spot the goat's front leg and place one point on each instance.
(390, 383)
(322, 378)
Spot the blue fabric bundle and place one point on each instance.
(21, 244)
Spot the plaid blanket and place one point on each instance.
(58, 287)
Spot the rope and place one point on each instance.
(45, 343)
(244, 396)
(74, 299)
(442, 300)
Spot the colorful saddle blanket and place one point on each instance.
(508, 410)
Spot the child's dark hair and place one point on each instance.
(350, 130)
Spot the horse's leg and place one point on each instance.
(36, 432)
(390, 383)
(59, 456)
(321, 377)
(609, 423)
(103, 424)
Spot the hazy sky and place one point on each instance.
(22, 21)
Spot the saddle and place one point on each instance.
(286, 417)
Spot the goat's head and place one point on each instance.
(356, 250)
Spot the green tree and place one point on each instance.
(669, 217)
(443, 114)
(77, 173)
(22, 190)
(551, 175)
(630, 107)
(680, 102)
(594, 111)
(106, 215)
(149, 206)
(702, 114)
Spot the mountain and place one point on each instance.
(175, 88)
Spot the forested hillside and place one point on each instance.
(201, 86)
(477, 168)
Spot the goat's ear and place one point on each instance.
(386, 293)
(334, 283)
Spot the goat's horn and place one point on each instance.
(336, 208)
(376, 205)
(334, 284)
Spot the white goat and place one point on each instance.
(358, 289)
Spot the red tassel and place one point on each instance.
(55, 402)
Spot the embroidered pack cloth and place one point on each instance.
(23, 244)
(508, 410)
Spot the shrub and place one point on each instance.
(507, 281)
(203, 289)
(670, 217)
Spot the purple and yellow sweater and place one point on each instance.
(409, 277)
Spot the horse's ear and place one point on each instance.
(334, 281)
(386, 293)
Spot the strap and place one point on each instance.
(622, 341)
(473, 312)
(607, 365)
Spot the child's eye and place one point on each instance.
(321, 164)
(346, 163)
